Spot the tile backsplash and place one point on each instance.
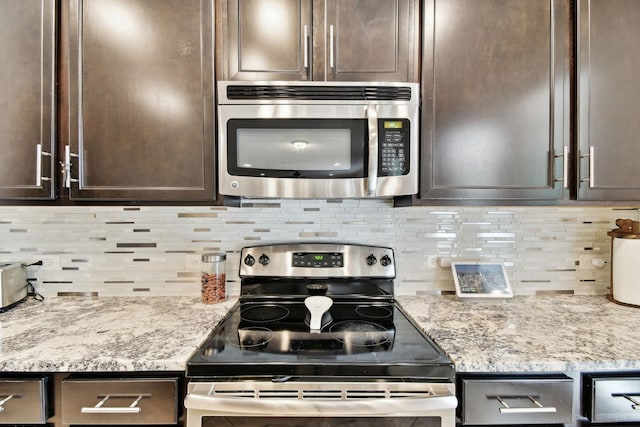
(150, 250)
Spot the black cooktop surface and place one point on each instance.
(358, 339)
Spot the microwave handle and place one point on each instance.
(372, 120)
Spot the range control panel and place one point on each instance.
(319, 260)
(393, 147)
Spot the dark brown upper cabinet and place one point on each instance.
(27, 99)
(355, 40)
(495, 100)
(140, 95)
(608, 66)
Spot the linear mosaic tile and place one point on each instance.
(155, 250)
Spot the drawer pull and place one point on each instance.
(6, 399)
(101, 409)
(537, 409)
(634, 402)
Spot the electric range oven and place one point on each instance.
(317, 339)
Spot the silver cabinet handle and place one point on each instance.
(592, 181)
(66, 167)
(591, 157)
(331, 53)
(101, 409)
(537, 409)
(565, 166)
(39, 154)
(565, 172)
(306, 46)
(372, 176)
(635, 404)
(6, 399)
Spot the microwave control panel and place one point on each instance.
(393, 147)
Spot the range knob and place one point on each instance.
(371, 260)
(385, 261)
(249, 260)
(264, 259)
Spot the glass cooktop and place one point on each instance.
(267, 338)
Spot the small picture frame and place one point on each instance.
(481, 280)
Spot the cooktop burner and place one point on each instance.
(264, 313)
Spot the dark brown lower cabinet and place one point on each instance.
(25, 399)
(523, 399)
(611, 397)
(120, 400)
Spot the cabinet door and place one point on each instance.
(495, 99)
(369, 40)
(27, 88)
(141, 100)
(267, 39)
(608, 99)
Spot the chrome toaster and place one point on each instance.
(13, 284)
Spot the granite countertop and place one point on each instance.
(558, 333)
(550, 333)
(68, 334)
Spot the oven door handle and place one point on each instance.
(241, 406)
(372, 174)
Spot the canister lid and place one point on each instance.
(214, 257)
(627, 229)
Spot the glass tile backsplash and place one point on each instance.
(150, 250)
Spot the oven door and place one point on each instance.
(259, 403)
(316, 150)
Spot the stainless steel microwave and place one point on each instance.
(318, 140)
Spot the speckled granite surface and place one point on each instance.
(555, 333)
(542, 333)
(105, 334)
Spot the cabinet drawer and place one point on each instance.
(517, 400)
(23, 401)
(120, 401)
(612, 399)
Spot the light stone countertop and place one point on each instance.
(550, 333)
(75, 334)
(560, 333)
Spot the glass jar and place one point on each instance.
(213, 278)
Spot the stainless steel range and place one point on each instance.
(317, 336)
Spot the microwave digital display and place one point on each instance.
(395, 124)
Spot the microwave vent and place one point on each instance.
(319, 93)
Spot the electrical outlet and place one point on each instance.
(432, 261)
(591, 262)
(436, 261)
(192, 261)
(50, 261)
(444, 262)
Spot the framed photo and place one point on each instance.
(481, 280)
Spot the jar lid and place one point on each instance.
(213, 257)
